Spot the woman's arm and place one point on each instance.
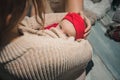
(78, 6)
(74, 6)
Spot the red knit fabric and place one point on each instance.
(51, 25)
(77, 21)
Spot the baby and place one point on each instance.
(71, 25)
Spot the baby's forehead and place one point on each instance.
(68, 27)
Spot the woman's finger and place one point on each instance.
(86, 34)
(88, 24)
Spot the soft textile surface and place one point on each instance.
(95, 11)
(44, 56)
(98, 8)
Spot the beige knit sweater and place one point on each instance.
(43, 55)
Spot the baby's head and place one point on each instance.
(72, 25)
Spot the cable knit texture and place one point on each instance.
(43, 55)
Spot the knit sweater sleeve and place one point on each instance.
(35, 57)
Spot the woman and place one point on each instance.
(37, 56)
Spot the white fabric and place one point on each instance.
(98, 8)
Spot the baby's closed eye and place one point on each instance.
(60, 27)
(67, 35)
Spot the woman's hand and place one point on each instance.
(88, 24)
